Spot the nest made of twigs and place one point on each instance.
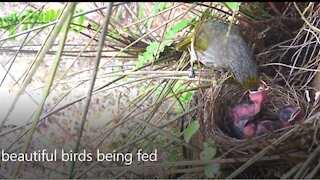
(217, 100)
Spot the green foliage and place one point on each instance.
(30, 17)
(178, 88)
(154, 49)
(142, 89)
(80, 21)
(191, 130)
(94, 25)
(234, 6)
(175, 153)
(114, 35)
(158, 7)
(171, 33)
(148, 55)
(208, 153)
(185, 96)
(141, 11)
(212, 170)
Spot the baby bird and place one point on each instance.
(288, 114)
(246, 119)
(284, 118)
(238, 117)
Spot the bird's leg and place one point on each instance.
(193, 57)
(191, 72)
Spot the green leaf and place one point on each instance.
(47, 16)
(21, 18)
(81, 20)
(53, 15)
(72, 27)
(208, 152)
(34, 17)
(141, 11)
(16, 21)
(152, 47)
(117, 15)
(58, 12)
(163, 6)
(147, 57)
(181, 25)
(234, 6)
(4, 23)
(164, 44)
(29, 11)
(142, 89)
(212, 170)
(113, 35)
(41, 18)
(191, 130)
(211, 142)
(8, 19)
(139, 63)
(160, 6)
(25, 27)
(80, 28)
(186, 96)
(171, 33)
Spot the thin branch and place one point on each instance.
(92, 82)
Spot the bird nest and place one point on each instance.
(283, 57)
(216, 101)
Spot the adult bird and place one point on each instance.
(219, 50)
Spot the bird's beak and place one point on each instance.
(259, 96)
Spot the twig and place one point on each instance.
(291, 171)
(65, 20)
(189, 163)
(274, 8)
(289, 66)
(92, 82)
(261, 153)
(305, 20)
(307, 162)
(314, 171)
(161, 12)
